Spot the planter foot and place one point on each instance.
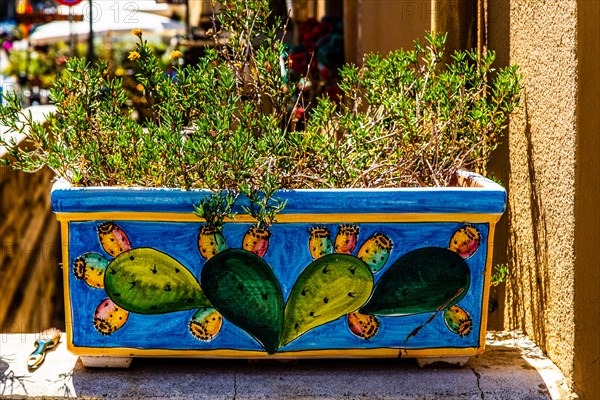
(424, 362)
(106, 362)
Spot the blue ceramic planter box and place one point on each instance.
(343, 273)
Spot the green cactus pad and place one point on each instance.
(147, 281)
(330, 287)
(420, 281)
(244, 289)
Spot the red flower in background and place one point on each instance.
(311, 32)
(307, 26)
(299, 63)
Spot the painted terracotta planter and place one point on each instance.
(343, 273)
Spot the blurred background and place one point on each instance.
(38, 36)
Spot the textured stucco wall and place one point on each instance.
(550, 162)
(542, 144)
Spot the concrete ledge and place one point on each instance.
(511, 368)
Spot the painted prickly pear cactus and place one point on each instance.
(371, 257)
(147, 281)
(142, 280)
(329, 288)
(365, 285)
(244, 289)
(423, 280)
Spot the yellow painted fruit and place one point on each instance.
(256, 241)
(346, 238)
(91, 268)
(109, 317)
(362, 325)
(319, 242)
(458, 321)
(113, 239)
(206, 324)
(376, 251)
(210, 241)
(465, 241)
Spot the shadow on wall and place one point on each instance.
(497, 33)
(529, 278)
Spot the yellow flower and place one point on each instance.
(137, 32)
(133, 55)
(174, 55)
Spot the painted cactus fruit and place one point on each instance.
(319, 242)
(362, 325)
(109, 317)
(256, 240)
(147, 281)
(244, 289)
(90, 267)
(423, 280)
(346, 239)
(210, 241)
(458, 320)
(329, 288)
(376, 251)
(465, 241)
(205, 324)
(113, 239)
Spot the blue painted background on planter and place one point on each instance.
(288, 255)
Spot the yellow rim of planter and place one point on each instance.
(224, 353)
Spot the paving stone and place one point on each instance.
(512, 367)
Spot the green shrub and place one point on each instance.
(231, 121)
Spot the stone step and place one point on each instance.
(512, 367)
